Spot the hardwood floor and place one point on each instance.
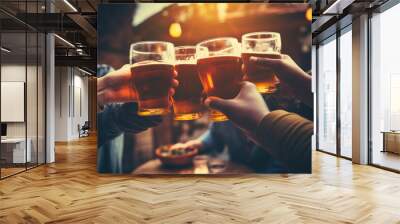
(8, 171)
(70, 191)
(387, 159)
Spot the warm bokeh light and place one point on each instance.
(175, 30)
(210, 81)
(221, 9)
(309, 14)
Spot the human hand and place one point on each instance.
(246, 110)
(116, 87)
(290, 73)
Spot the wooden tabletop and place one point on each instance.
(156, 167)
(390, 132)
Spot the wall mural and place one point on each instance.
(204, 88)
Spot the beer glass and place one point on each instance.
(220, 70)
(152, 72)
(266, 45)
(187, 99)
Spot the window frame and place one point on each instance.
(333, 37)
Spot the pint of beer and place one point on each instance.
(187, 98)
(152, 71)
(220, 70)
(266, 45)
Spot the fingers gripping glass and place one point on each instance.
(152, 72)
(220, 70)
(266, 45)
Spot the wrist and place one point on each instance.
(261, 117)
(101, 83)
(196, 143)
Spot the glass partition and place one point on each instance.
(22, 91)
(327, 96)
(31, 98)
(14, 153)
(346, 93)
(385, 89)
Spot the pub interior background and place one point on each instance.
(178, 24)
(52, 59)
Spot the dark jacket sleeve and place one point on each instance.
(120, 118)
(116, 119)
(287, 137)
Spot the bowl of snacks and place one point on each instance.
(176, 155)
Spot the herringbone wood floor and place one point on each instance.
(70, 191)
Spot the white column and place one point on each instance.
(50, 93)
(50, 99)
(360, 90)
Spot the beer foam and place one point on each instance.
(151, 62)
(274, 53)
(187, 62)
(220, 56)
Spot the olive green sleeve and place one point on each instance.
(287, 137)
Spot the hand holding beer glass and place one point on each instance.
(152, 70)
(187, 98)
(220, 70)
(266, 45)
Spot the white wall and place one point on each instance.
(80, 110)
(16, 73)
(33, 127)
(71, 94)
(61, 104)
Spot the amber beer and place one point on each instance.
(152, 72)
(221, 77)
(187, 98)
(220, 70)
(264, 78)
(152, 81)
(266, 45)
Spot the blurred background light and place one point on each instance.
(309, 14)
(175, 30)
(5, 50)
(70, 6)
(221, 9)
(144, 12)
